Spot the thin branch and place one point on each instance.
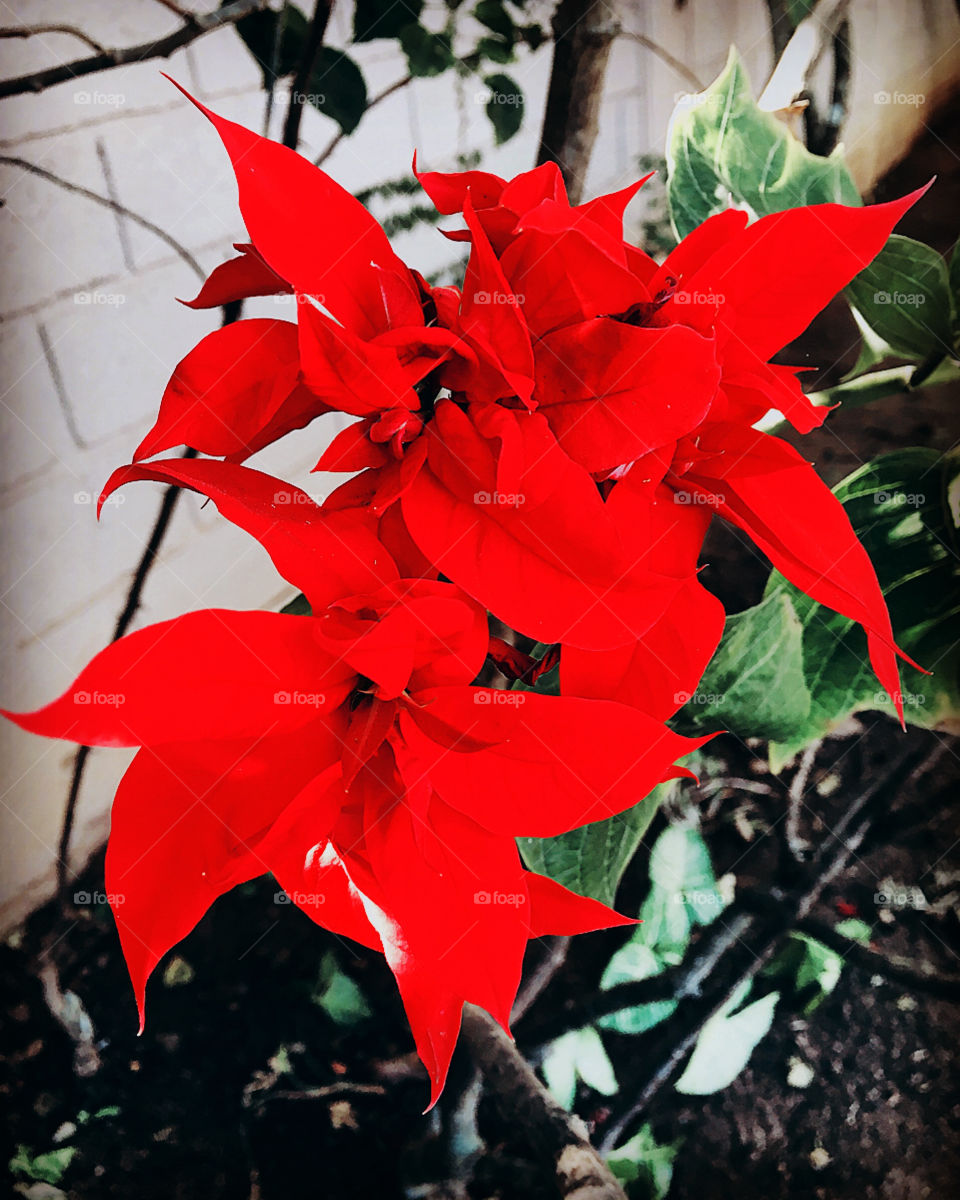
(107, 202)
(163, 47)
(301, 80)
(797, 846)
(550, 1131)
(540, 977)
(916, 976)
(340, 135)
(26, 31)
(665, 56)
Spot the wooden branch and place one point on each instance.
(26, 31)
(301, 80)
(340, 135)
(665, 56)
(188, 32)
(114, 205)
(583, 33)
(550, 1130)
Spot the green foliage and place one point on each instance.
(790, 670)
(754, 684)
(899, 508)
(383, 18)
(904, 296)
(275, 37)
(592, 859)
(726, 1042)
(579, 1054)
(855, 929)
(683, 893)
(338, 995)
(808, 966)
(427, 53)
(644, 1166)
(299, 606)
(337, 88)
(504, 107)
(721, 146)
(42, 1168)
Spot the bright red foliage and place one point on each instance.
(548, 444)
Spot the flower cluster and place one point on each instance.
(546, 444)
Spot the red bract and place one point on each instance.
(347, 753)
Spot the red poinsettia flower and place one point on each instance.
(632, 398)
(366, 332)
(347, 752)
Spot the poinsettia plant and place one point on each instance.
(543, 447)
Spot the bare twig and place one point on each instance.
(917, 976)
(188, 32)
(550, 1130)
(120, 209)
(301, 80)
(26, 31)
(539, 978)
(796, 845)
(665, 56)
(340, 135)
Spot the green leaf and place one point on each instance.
(592, 859)
(338, 995)
(492, 14)
(855, 929)
(720, 145)
(578, 1054)
(427, 53)
(643, 1165)
(725, 1044)
(904, 296)
(754, 684)
(337, 88)
(504, 107)
(44, 1168)
(631, 963)
(259, 33)
(808, 966)
(495, 49)
(900, 509)
(299, 606)
(383, 18)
